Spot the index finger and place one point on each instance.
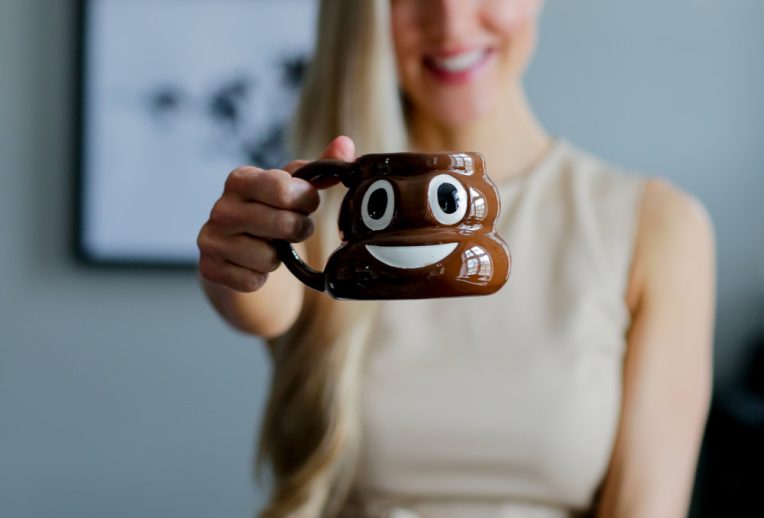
(274, 187)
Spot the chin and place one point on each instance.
(460, 110)
(457, 100)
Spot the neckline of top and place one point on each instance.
(556, 146)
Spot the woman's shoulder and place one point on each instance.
(674, 233)
(662, 209)
(663, 226)
(665, 202)
(658, 196)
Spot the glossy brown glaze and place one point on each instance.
(413, 225)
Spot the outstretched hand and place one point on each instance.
(258, 205)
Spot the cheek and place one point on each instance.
(405, 31)
(405, 46)
(515, 21)
(507, 17)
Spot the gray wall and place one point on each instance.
(121, 394)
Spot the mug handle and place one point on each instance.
(322, 174)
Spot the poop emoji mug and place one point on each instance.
(413, 226)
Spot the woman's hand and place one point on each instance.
(257, 205)
(236, 255)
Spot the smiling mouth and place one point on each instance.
(417, 256)
(460, 62)
(459, 67)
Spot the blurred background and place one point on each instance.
(123, 395)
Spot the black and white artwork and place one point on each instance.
(177, 93)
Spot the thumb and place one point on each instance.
(341, 148)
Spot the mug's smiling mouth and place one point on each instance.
(413, 256)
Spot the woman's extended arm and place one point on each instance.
(267, 312)
(667, 371)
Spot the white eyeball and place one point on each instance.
(378, 205)
(448, 199)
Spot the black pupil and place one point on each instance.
(377, 203)
(448, 198)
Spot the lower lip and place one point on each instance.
(461, 77)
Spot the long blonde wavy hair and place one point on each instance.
(310, 434)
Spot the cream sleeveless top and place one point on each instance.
(507, 405)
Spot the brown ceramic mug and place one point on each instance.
(413, 226)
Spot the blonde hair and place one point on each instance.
(310, 433)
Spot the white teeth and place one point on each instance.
(417, 256)
(460, 62)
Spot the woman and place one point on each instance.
(581, 387)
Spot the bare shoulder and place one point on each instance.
(670, 215)
(675, 237)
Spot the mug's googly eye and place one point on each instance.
(378, 205)
(448, 199)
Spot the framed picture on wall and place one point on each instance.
(174, 95)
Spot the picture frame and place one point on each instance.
(173, 95)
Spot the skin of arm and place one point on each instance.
(267, 312)
(668, 364)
